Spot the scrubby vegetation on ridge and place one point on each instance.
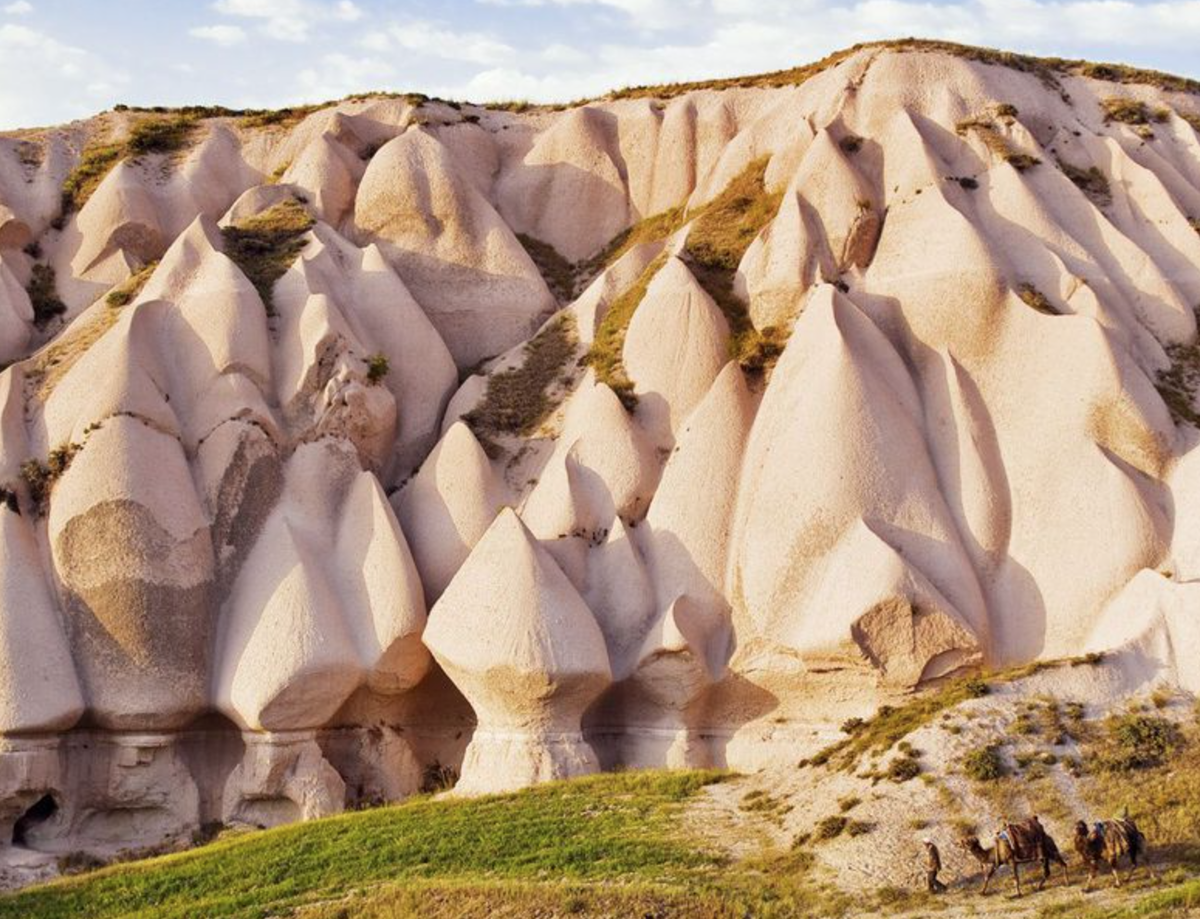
(1048, 69)
(1132, 111)
(46, 368)
(605, 354)
(892, 724)
(518, 400)
(1192, 118)
(95, 162)
(265, 245)
(722, 232)
(148, 135)
(650, 229)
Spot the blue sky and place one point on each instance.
(64, 59)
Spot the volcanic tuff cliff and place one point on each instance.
(674, 428)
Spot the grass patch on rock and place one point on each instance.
(518, 400)
(265, 246)
(1036, 300)
(605, 354)
(95, 162)
(1091, 181)
(721, 233)
(148, 135)
(997, 144)
(1179, 382)
(558, 273)
(126, 292)
(651, 229)
(1132, 111)
(829, 828)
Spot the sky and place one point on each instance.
(66, 59)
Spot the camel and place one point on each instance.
(1108, 842)
(1018, 844)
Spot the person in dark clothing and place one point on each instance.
(933, 864)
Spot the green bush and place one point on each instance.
(1138, 741)
(903, 768)
(40, 477)
(43, 295)
(377, 368)
(977, 687)
(984, 764)
(859, 827)
(829, 828)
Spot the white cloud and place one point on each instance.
(429, 39)
(290, 20)
(223, 35)
(20, 8)
(67, 82)
(644, 14)
(714, 38)
(337, 75)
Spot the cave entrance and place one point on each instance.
(42, 810)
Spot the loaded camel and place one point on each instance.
(1107, 843)
(1017, 844)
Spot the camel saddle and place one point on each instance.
(1025, 838)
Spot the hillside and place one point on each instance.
(398, 443)
(697, 844)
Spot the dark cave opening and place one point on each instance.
(38, 813)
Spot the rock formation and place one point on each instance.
(350, 449)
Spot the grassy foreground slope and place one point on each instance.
(612, 827)
(609, 845)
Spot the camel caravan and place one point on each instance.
(1103, 845)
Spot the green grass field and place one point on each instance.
(608, 845)
(607, 827)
